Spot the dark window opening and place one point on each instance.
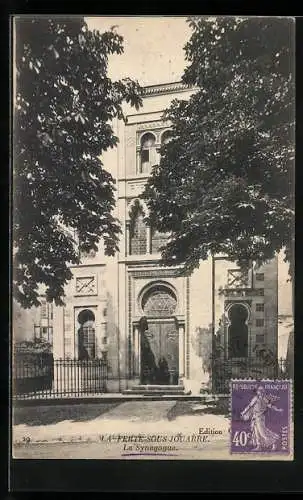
(86, 335)
(138, 236)
(260, 307)
(145, 155)
(166, 136)
(148, 152)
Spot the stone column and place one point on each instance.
(138, 160)
(127, 237)
(157, 154)
(58, 334)
(99, 332)
(148, 239)
(137, 351)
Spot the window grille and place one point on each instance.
(138, 236)
(158, 240)
(259, 322)
(159, 302)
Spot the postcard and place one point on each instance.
(153, 236)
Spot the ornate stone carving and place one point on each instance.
(152, 125)
(135, 188)
(241, 292)
(172, 335)
(166, 88)
(155, 273)
(227, 303)
(86, 285)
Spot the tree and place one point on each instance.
(65, 105)
(224, 183)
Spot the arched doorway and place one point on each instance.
(160, 342)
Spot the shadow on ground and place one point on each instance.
(183, 408)
(52, 414)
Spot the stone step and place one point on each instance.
(155, 390)
(153, 393)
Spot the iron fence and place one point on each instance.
(225, 370)
(42, 377)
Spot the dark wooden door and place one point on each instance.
(160, 353)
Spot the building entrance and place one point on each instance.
(160, 342)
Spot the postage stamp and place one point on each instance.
(260, 416)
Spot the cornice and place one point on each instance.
(165, 88)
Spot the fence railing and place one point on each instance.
(39, 376)
(225, 370)
(44, 377)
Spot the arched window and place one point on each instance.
(86, 335)
(160, 301)
(159, 239)
(147, 152)
(166, 136)
(138, 231)
(238, 331)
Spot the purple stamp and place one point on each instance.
(260, 416)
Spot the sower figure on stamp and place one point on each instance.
(255, 411)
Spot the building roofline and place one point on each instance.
(165, 88)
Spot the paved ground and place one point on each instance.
(52, 414)
(139, 411)
(104, 430)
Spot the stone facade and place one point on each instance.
(30, 324)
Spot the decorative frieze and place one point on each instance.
(86, 285)
(155, 273)
(152, 125)
(166, 88)
(243, 292)
(135, 188)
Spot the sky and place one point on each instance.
(153, 47)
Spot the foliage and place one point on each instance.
(224, 184)
(64, 110)
(33, 346)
